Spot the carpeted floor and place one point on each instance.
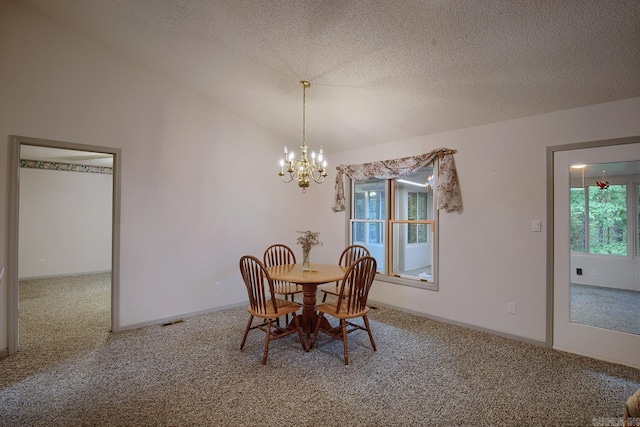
(71, 372)
(608, 308)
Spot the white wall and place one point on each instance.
(65, 222)
(488, 254)
(187, 216)
(606, 271)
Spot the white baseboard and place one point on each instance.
(464, 325)
(180, 317)
(64, 275)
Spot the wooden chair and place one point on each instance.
(352, 303)
(280, 254)
(347, 257)
(264, 304)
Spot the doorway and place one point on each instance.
(71, 158)
(595, 246)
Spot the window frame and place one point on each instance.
(386, 274)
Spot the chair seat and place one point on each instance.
(284, 307)
(332, 309)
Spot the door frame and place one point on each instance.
(15, 143)
(551, 150)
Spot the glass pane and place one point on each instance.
(414, 195)
(412, 260)
(608, 220)
(577, 227)
(370, 199)
(370, 234)
(604, 289)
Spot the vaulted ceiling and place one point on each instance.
(380, 70)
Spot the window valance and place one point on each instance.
(449, 196)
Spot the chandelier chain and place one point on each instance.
(304, 115)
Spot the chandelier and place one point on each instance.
(303, 170)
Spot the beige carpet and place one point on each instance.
(71, 372)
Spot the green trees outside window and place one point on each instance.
(599, 220)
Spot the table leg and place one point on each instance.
(309, 314)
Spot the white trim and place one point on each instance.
(13, 220)
(182, 316)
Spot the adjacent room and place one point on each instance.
(320, 212)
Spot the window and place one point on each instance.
(608, 220)
(368, 217)
(396, 220)
(599, 220)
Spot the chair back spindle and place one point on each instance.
(356, 284)
(259, 284)
(351, 253)
(348, 256)
(279, 254)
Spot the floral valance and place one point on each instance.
(449, 196)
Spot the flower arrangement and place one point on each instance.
(308, 239)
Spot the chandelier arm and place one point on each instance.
(319, 178)
(286, 181)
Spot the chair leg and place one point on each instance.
(246, 332)
(343, 324)
(302, 340)
(266, 343)
(286, 316)
(315, 332)
(366, 323)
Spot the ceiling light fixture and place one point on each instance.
(303, 170)
(428, 184)
(412, 183)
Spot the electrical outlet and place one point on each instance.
(41, 261)
(216, 286)
(511, 308)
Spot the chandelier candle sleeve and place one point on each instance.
(303, 171)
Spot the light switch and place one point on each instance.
(536, 225)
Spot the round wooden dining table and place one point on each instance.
(319, 274)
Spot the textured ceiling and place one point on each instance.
(380, 70)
